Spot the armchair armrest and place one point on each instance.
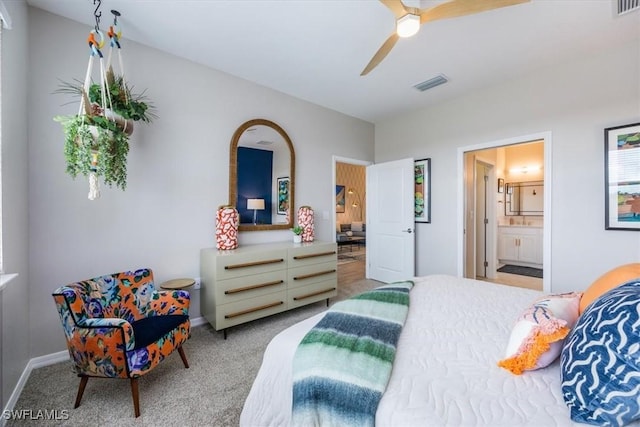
(169, 302)
(109, 329)
(98, 347)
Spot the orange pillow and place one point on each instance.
(611, 279)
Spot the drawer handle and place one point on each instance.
(314, 255)
(253, 264)
(251, 310)
(308, 276)
(301, 297)
(249, 288)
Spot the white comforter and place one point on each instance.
(445, 371)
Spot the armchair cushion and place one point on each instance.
(150, 329)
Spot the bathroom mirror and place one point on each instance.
(262, 176)
(524, 198)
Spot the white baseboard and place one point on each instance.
(198, 321)
(36, 362)
(51, 359)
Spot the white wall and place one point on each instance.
(178, 169)
(575, 101)
(15, 304)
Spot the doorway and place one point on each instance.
(488, 172)
(349, 193)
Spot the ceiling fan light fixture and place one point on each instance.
(408, 25)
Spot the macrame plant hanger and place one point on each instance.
(96, 42)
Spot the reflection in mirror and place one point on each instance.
(524, 198)
(261, 176)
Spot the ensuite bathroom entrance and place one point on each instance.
(504, 214)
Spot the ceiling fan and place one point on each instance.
(409, 19)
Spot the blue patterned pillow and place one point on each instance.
(600, 360)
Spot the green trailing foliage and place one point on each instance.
(86, 135)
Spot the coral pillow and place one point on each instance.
(600, 364)
(536, 339)
(608, 281)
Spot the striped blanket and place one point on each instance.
(342, 366)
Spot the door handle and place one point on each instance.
(408, 230)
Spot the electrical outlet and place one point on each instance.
(197, 284)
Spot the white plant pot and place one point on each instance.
(297, 238)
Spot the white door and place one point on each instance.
(482, 178)
(390, 221)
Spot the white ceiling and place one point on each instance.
(316, 49)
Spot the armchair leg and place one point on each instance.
(183, 357)
(83, 384)
(136, 397)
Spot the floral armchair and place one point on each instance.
(120, 326)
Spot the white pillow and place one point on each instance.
(356, 226)
(537, 337)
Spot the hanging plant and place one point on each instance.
(97, 138)
(102, 132)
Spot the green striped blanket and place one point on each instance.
(342, 366)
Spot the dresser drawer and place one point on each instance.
(311, 293)
(250, 309)
(240, 288)
(302, 276)
(316, 254)
(243, 264)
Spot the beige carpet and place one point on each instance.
(210, 393)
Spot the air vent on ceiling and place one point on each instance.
(626, 6)
(428, 84)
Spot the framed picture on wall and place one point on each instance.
(622, 177)
(283, 195)
(422, 182)
(340, 197)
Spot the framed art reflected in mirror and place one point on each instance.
(283, 195)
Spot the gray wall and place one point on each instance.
(15, 297)
(575, 100)
(178, 169)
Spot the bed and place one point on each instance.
(445, 370)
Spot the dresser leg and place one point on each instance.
(327, 302)
(224, 332)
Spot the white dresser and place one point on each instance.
(255, 281)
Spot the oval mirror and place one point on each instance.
(262, 176)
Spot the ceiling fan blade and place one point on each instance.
(381, 53)
(456, 8)
(396, 7)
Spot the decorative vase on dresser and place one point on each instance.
(256, 281)
(305, 220)
(227, 221)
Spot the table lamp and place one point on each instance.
(256, 205)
